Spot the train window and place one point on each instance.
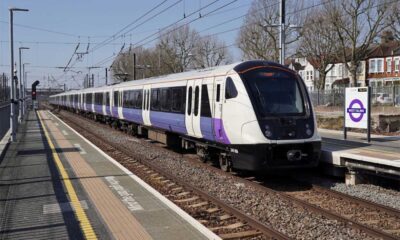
(107, 103)
(98, 98)
(139, 99)
(218, 92)
(147, 99)
(165, 99)
(205, 110)
(196, 101)
(125, 99)
(189, 110)
(230, 89)
(177, 99)
(89, 97)
(155, 99)
(116, 95)
(144, 100)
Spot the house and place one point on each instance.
(306, 69)
(384, 62)
(339, 76)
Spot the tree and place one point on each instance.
(357, 23)
(123, 67)
(210, 52)
(394, 20)
(319, 44)
(258, 37)
(177, 47)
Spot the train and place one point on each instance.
(252, 115)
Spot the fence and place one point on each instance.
(4, 105)
(380, 96)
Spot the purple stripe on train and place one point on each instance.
(108, 112)
(173, 122)
(98, 109)
(114, 112)
(219, 130)
(206, 128)
(133, 115)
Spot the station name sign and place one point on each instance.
(356, 107)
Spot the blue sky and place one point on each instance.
(93, 21)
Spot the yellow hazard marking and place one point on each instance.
(84, 223)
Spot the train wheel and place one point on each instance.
(224, 163)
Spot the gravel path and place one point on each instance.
(282, 215)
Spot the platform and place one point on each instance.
(54, 184)
(381, 155)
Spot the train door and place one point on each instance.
(192, 116)
(146, 104)
(120, 106)
(104, 101)
(218, 100)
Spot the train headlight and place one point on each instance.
(308, 132)
(267, 132)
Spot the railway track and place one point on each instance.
(375, 220)
(224, 220)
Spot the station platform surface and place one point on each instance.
(54, 184)
(381, 152)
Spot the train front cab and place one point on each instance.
(286, 125)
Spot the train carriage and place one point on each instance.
(254, 115)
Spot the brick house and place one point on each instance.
(383, 62)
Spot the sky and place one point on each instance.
(53, 29)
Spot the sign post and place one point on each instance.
(357, 110)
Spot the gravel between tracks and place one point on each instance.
(372, 193)
(282, 215)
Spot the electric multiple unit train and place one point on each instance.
(253, 115)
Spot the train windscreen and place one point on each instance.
(275, 92)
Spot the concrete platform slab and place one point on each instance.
(381, 155)
(36, 202)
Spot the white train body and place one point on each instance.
(256, 113)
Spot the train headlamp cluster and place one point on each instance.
(268, 132)
(308, 130)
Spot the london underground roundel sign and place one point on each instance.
(356, 107)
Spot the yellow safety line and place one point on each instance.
(84, 223)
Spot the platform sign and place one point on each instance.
(357, 109)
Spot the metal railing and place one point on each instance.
(4, 105)
(380, 96)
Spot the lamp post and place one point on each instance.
(13, 122)
(21, 87)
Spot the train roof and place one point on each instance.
(201, 73)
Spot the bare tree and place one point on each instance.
(394, 20)
(258, 37)
(319, 44)
(357, 23)
(210, 52)
(177, 47)
(123, 65)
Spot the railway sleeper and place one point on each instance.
(230, 226)
(240, 235)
